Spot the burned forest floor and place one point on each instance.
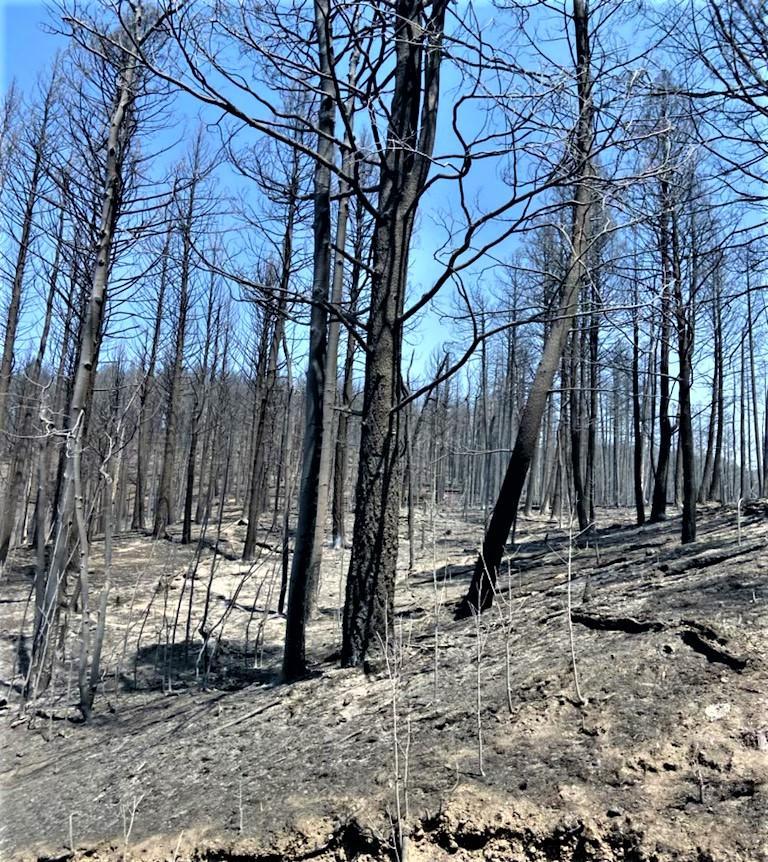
(475, 739)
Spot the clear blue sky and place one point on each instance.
(27, 49)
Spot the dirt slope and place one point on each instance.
(665, 757)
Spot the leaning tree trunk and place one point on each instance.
(70, 505)
(481, 590)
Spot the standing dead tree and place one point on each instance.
(71, 535)
(145, 425)
(164, 506)
(25, 188)
(480, 594)
(369, 603)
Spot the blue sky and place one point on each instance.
(27, 49)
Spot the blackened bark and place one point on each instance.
(40, 145)
(342, 432)
(299, 596)
(164, 508)
(143, 446)
(330, 383)
(575, 395)
(594, 382)
(479, 597)
(715, 486)
(23, 448)
(70, 506)
(637, 428)
(659, 500)
(753, 384)
(369, 603)
(684, 323)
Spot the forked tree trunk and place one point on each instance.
(369, 601)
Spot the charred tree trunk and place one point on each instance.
(71, 504)
(659, 500)
(330, 382)
(684, 322)
(20, 460)
(369, 602)
(267, 375)
(637, 428)
(753, 385)
(143, 445)
(715, 490)
(342, 433)
(39, 154)
(481, 591)
(575, 395)
(708, 469)
(164, 507)
(304, 559)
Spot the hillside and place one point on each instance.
(666, 756)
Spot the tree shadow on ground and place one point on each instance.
(647, 559)
(22, 645)
(226, 666)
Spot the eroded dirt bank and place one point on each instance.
(666, 758)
